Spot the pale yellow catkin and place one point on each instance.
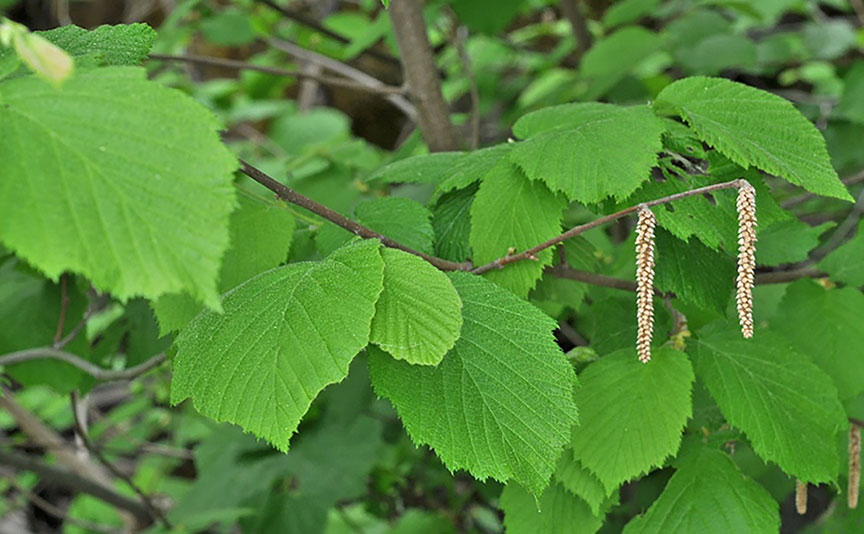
(854, 465)
(645, 282)
(746, 256)
(801, 497)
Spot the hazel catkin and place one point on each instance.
(645, 282)
(746, 256)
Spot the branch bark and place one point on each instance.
(418, 64)
(778, 277)
(76, 482)
(369, 86)
(344, 70)
(153, 510)
(289, 195)
(316, 25)
(103, 375)
(573, 12)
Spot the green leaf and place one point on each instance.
(628, 11)
(611, 323)
(708, 494)
(564, 117)
(846, 264)
(512, 212)
(229, 27)
(423, 169)
(694, 272)
(826, 325)
(285, 335)
(29, 308)
(788, 241)
(418, 315)
(580, 481)
(753, 127)
(851, 104)
(615, 56)
(554, 294)
(451, 220)
(556, 512)
(471, 168)
(123, 44)
(632, 414)
(140, 185)
(261, 235)
(500, 404)
(604, 151)
(401, 219)
(717, 53)
(785, 404)
(476, 14)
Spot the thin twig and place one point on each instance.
(576, 230)
(92, 310)
(794, 201)
(375, 88)
(342, 69)
(77, 482)
(839, 235)
(474, 92)
(55, 511)
(81, 432)
(315, 25)
(100, 374)
(64, 308)
(286, 193)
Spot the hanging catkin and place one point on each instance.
(854, 464)
(801, 497)
(746, 255)
(645, 282)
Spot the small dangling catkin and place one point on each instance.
(645, 282)
(801, 497)
(854, 464)
(746, 256)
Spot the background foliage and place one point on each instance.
(338, 385)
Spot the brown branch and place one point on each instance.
(76, 482)
(532, 252)
(418, 64)
(81, 432)
(794, 201)
(839, 235)
(315, 25)
(858, 6)
(64, 308)
(342, 69)
(573, 12)
(100, 374)
(781, 277)
(778, 277)
(379, 88)
(55, 511)
(46, 437)
(92, 310)
(289, 195)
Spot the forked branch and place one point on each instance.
(289, 195)
(532, 252)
